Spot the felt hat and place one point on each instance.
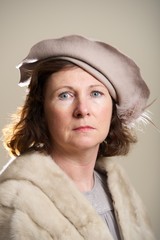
(116, 71)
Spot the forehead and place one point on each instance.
(73, 77)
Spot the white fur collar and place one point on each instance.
(42, 171)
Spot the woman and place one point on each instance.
(83, 97)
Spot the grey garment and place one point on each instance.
(100, 199)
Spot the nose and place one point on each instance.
(81, 109)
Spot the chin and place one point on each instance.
(86, 145)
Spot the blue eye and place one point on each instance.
(64, 95)
(96, 94)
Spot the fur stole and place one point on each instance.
(39, 201)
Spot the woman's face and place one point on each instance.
(78, 110)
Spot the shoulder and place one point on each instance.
(24, 166)
(22, 194)
(118, 181)
(117, 177)
(21, 178)
(127, 202)
(111, 167)
(21, 171)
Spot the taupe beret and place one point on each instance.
(115, 70)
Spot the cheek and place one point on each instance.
(108, 114)
(55, 117)
(106, 111)
(105, 114)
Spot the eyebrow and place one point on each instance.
(97, 85)
(72, 88)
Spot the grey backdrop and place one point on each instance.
(131, 26)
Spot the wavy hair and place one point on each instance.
(28, 130)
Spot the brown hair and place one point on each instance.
(28, 131)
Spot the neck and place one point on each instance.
(79, 168)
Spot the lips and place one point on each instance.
(84, 128)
